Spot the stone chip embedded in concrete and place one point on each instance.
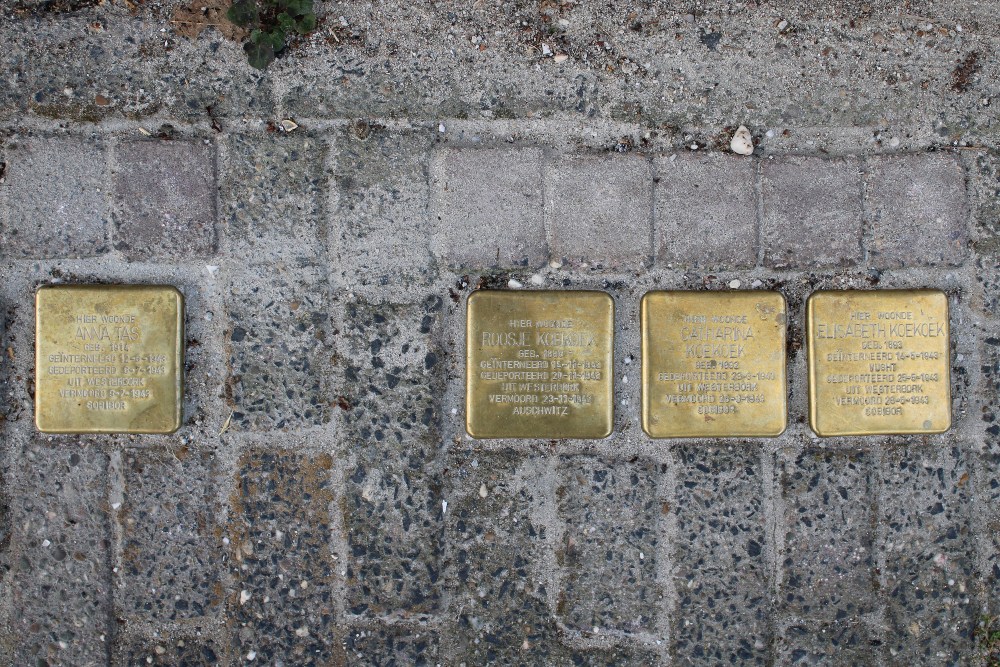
(611, 544)
(62, 580)
(918, 210)
(833, 643)
(706, 211)
(170, 567)
(598, 209)
(723, 603)
(487, 208)
(53, 198)
(165, 198)
(282, 603)
(828, 524)
(812, 212)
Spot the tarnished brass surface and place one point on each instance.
(108, 358)
(879, 362)
(539, 364)
(713, 364)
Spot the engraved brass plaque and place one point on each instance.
(879, 362)
(713, 364)
(539, 364)
(108, 358)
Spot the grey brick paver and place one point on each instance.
(54, 198)
(598, 209)
(918, 210)
(706, 211)
(165, 196)
(812, 212)
(487, 207)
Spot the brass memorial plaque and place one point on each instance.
(713, 364)
(879, 362)
(539, 364)
(108, 358)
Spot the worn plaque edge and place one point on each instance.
(468, 359)
(810, 366)
(645, 381)
(179, 356)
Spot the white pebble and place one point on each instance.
(894, 142)
(561, 58)
(444, 507)
(734, 284)
(441, 128)
(483, 491)
(546, 51)
(555, 264)
(757, 282)
(537, 279)
(45, 543)
(245, 596)
(514, 284)
(742, 143)
(288, 125)
(251, 656)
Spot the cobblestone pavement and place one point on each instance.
(322, 504)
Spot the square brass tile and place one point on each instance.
(713, 364)
(539, 364)
(108, 358)
(879, 362)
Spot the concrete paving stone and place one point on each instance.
(598, 209)
(272, 194)
(392, 408)
(53, 200)
(381, 181)
(609, 554)
(393, 518)
(486, 207)
(392, 646)
(170, 565)
(391, 364)
(929, 569)
(723, 607)
(165, 196)
(706, 211)
(837, 643)
(169, 652)
(495, 544)
(917, 209)
(279, 348)
(62, 602)
(828, 572)
(283, 602)
(811, 212)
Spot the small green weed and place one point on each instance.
(271, 23)
(988, 637)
